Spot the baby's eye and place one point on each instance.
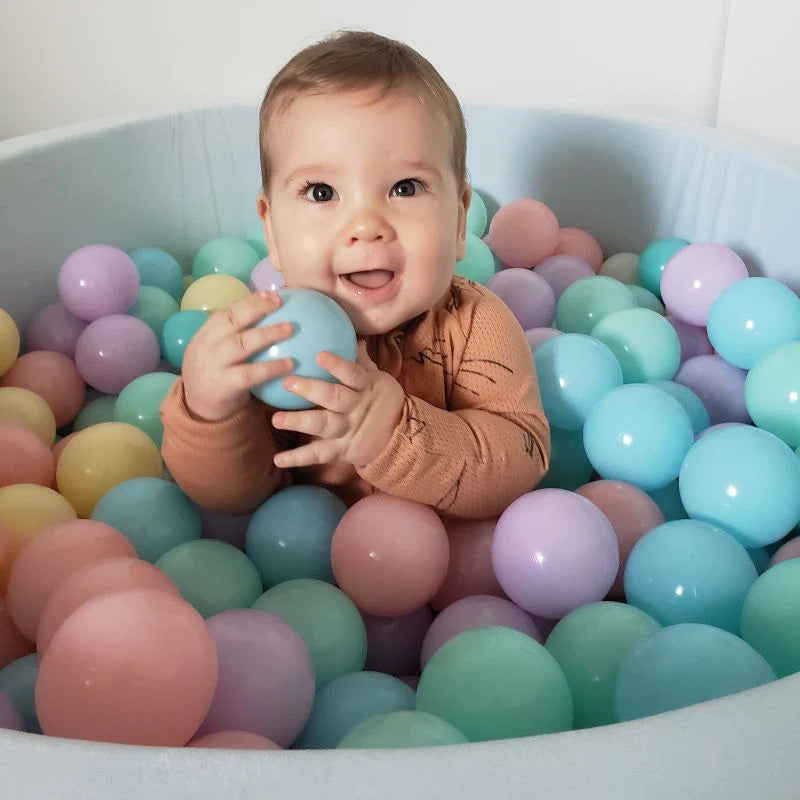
(408, 187)
(318, 192)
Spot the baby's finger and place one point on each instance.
(248, 311)
(320, 451)
(251, 373)
(333, 396)
(241, 344)
(316, 422)
(346, 372)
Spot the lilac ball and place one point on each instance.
(536, 336)
(476, 611)
(265, 278)
(394, 643)
(266, 679)
(719, 385)
(114, 350)
(54, 328)
(98, 280)
(694, 339)
(230, 528)
(554, 550)
(10, 718)
(527, 294)
(562, 271)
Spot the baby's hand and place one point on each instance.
(355, 418)
(217, 377)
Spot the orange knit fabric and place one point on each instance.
(471, 439)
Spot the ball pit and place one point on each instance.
(673, 177)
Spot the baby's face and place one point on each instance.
(364, 204)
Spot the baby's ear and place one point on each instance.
(263, 209)
(461, 235)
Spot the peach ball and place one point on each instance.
(58, 448)
(523, 233)
(389, 555)
(24, 457)
(581, 244)
(235, 740)
(13, 644)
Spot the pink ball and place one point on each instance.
(58, 449)
(786, 551)
(13, 644)
(54, 328)
(389, 555)
(693, 339)
(234, 740)
(25, 457)
(562, 271)
(581, 244)
(394, 643)
(523, 232)
(536, 336)
(115, 350)
(553, 551)
(527, 294)
(98, 280)
(695, 276)
(265, 278)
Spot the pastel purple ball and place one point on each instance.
(693, 339)
(394, 643)
(265, 278)
(527, 294)
(10, 717)
(562, 271)
(719, 385)
(54, 328)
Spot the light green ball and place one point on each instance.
(646, 299)
(654, 258)
(255, 239)
(587, 301)
(402, 729)
(589, 644)
(225, 256)
(154, 307)
(477, 216)
(139, 403)
(496, 683)
(478, 262)
(101, 409)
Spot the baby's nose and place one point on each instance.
(368, 225)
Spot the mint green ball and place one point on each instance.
(771, 616)
(477, 216)
(584, 303)
(154, 307)
(645, 344)
(212, 575)
(646, 299)
(225, 256)
(101, 409)
(326, 619)
(402, 729)
(496, 683)
(589, 644)
(569, 465)
(654, 258)
(255, 239)
(139, 403)
(478, 262)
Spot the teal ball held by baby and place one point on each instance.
(319, 323)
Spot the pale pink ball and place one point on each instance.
(523, 233)
(786, 551)
(536, 336)
(581, 244)
(234, 740)
(13, 644)
(24, 457)
(58, 448)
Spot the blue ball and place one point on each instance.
(348, 700)
(695, 408)
(177, 333)
(574, 372)
(18, 681)
(689, 571)
(639, 434)
(654, 258)
(289, 535)
(751, 317)
(668, 499)
(155, 515)
(685, 664)
(158, 268)
(746, 481)
(320, 323)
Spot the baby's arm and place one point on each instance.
(492, 446)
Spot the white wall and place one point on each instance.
(703, 61)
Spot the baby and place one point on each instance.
(365, 197)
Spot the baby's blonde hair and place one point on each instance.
(354, 60)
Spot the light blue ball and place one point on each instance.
(569, 467)
(639, 434)
(746, 481)
(689, 571)
(289, 535)
(178, 332)
(478, 263)
(477, 216)
(760, 557)
(18, 681)
(694, 406)
(752, 316)
(155, 515)
(349, 700)
(574, 371)
(654, 258)
(320, 323)
(685, 664)
(158, 268)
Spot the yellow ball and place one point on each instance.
(26, 509)
(101, 457)
(9, 341)
(213, 293)
(24, 407)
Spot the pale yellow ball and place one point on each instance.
(622, 266)
(213, 293)
(23, 407)
(9, 341)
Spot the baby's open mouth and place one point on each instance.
(371, 278)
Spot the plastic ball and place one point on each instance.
(154, 307)
(790, 549)
(645, 344)
(26, 408)
(348, 701)
(9, 341)
(562, 271)
(10, 718)
(265, 278)
(639, 434)
(257, 241)
(689, 571)
(574, 371)
(289, 535)
(230, 528)
(523, 232)
(569, 465)
(581, 244)
(213, 293)
(394, 643)
(266, 677)
(139, 403)
(17, 681)
(98, 280)
(158, 268)
(719, 385)
(653, 260)
(327, 620)
(155, 515)
(553, 551)
(225, 256)
(622, 266)
(54, 328)
(320, 323)
(693, 339)
(99, 409)
(477, 216)
(668, 499)
(772, 393)
(697, 412)
(177, 332)
(389, 554)
(26, 458)
(589, 644)
(583, 304)
(234, 740)
(100, 458)
(646, 299)
(528, 295)
(771, 617)
(399, 729)
(496, 683)
(93, 578)
(535, 336)
(111, 670)
(744, 480)
(13, 644)
(478, 262)
(682, 665)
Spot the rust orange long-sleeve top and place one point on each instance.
(472, 436)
